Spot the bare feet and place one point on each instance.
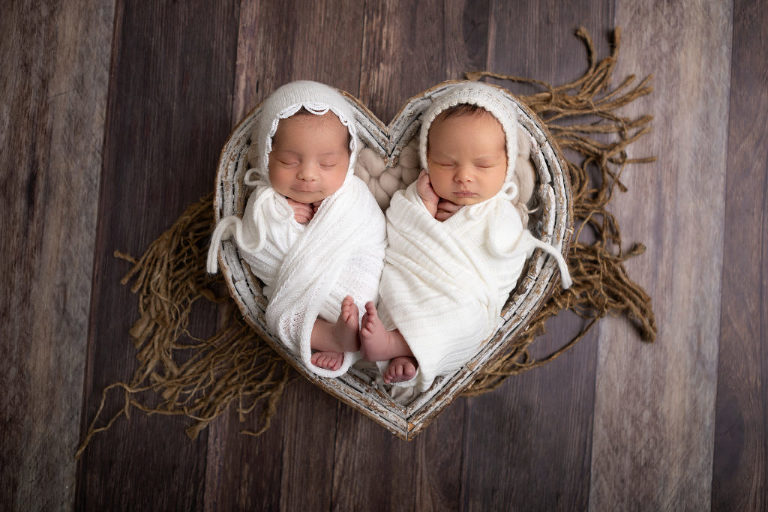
(400, 369)
(328, 360)
(332, 340)
(346, 326)
(376, 342)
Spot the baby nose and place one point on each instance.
(463, 175)
(307, 172)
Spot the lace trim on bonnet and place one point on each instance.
(315, 98)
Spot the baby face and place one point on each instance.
(309, 157)
(467, 157)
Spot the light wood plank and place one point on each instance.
(654, 412)
(54, 92)
(740, 468)
(528, 443)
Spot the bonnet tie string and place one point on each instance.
(565, 275)
(266, 199)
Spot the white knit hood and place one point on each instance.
(314, 97)
(491, 98)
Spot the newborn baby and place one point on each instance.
(311, 230)
(457, 244)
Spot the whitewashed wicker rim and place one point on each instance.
(552, 224)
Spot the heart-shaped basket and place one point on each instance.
(550, 221)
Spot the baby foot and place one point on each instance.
(345, 329)
(328, 360)
(373, 335)
(400, 369)
(376, 342)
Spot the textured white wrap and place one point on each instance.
(307, 269)
(445, 283)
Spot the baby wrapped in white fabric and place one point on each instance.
(311, 230)
(457, 244)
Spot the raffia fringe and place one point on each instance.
(599, 137)
(200, 378)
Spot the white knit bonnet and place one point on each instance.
(489, 97)
(314, 97)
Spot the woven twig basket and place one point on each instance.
(551, 221)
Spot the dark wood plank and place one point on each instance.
(54, 92)
(168, 116)
(404, 54)
(528, 443)
(284, 41)
(740, 469)
(654, 421)
(291, 466)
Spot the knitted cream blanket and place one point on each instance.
(309, 269)
(444, 283)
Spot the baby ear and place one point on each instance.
(525, 176)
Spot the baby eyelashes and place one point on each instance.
(303, 212)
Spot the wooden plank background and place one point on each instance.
(112, 115)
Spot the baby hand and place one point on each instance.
(446, 209)
(302, 212)
(427, 193)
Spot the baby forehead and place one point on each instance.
(328, 120)
(465, 117)
(319, 126)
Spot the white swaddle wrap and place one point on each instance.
(445, 283)
(307, 269)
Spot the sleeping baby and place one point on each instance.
(311, 230)
(457, 243)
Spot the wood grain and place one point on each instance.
(400, 59)
(528, 443)
(403, 56)
(654, 421)
(295, 40)
(169, 114)
(278, 43)
(84, 174)
(54, 91)
(740, 469)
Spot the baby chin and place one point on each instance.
(307, 195)
(465, 198)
